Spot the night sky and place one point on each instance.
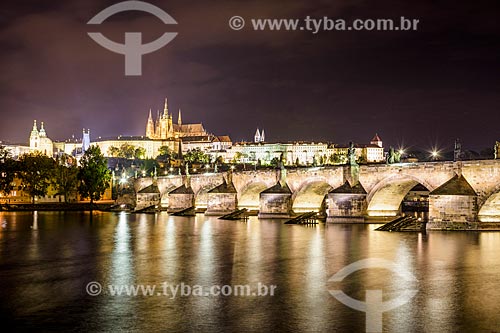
(421, 88)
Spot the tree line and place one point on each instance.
(38, 172)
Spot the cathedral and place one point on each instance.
(39, 142)
(163, 128)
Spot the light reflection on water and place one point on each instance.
(47, 259)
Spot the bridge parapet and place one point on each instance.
(386, 185)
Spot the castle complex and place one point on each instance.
(164, 132)
(163, 128)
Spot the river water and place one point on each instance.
(47, 260)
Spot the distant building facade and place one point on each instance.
(39, 142)
(303, 153)
(365, 153)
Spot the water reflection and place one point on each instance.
(44, 271)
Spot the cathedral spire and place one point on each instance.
(262, 136)
(179, 118)
(150, 126)
(34, 130)
(257, 136)
(42, 130)
(165, 109)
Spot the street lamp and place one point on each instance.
(435, 155)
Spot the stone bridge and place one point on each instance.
(385, 185)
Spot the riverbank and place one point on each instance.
(56, 206)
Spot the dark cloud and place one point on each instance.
(423, 87)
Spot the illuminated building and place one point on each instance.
(39, 142)
(302, 153)
(163, 128)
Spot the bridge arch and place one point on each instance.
(164, 194)
(489, 211)
(201, 196)
(250, 195)
(386, 196)
(310, 196)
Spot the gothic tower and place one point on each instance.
(157, 125)
(42, 132)
(164, 122)
(256, 138)
(86, 139)
(150, 127)
(34, 136)
(179, 118)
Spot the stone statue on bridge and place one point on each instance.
(351, 155)
(353, 166)
(393, 157)
(457, 152)
(282, 173)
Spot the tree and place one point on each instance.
(164, 151)
(196, 156)
(65, 179)
(7, 170)
(127, 151)
(362, 159)
(219, 160)
(275, 162)
(139, 153)
(237, 157)
(165, 154)
(148, 167)
(93, 174)
(114, 151)
(36, 171)
(337, 158)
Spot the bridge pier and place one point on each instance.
(180, 199)
(276, 202)
(347, 204)
(222, 199)
(453, 206)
